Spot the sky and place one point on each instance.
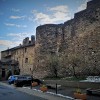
(19, 18)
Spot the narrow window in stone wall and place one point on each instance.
(16, 52)
(26, 60)
(25, 50)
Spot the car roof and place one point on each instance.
(14, 75)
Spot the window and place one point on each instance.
(25, 49)
(16, 52)
(26, 60)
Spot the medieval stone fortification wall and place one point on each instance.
(52, 36)
(56, 38)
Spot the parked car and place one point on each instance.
(38, 81)
(12, 78)
(22, 80)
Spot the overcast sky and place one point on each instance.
(19, 18)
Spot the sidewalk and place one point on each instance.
(46, 95)
(63, 94)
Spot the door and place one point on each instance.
(3, 72)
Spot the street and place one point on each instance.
(8, 93)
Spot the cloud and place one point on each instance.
(43, 18)
(17, 17)
(16, 25)
(16, 39)
(58, 14)
(83, 6)
(60, 8)
(6, 43)
(19, 36)
(15, 10)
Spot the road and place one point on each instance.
(8, 93)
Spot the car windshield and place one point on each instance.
(9, 77)
(14, 76)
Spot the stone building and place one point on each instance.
(19, 58)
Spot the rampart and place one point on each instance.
(59, 38)
(53, 36)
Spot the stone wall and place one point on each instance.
(50, 36)
(21, 56)
(65, 38)
(25, 55)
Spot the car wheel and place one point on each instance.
(9, 83)
(15, 84)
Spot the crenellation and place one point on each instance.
(93, 4)
(80, 14)
(68, 27)
(33, 39)
(67, 22)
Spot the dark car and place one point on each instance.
(22, 80)
(12, 78)
(38, 81)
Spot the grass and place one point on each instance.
(75, 79)
(52, 78)
(66, 78)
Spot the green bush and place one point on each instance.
(16, 72)
(52, 77)
(75, 79)
(9, 73)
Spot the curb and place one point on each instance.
(52, 93)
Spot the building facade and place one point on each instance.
(18, 59)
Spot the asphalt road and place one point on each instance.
(7, 93)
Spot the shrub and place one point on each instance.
(9, 73)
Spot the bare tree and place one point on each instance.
(74, 63)
(53, 65)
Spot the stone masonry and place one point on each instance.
(59, 38)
